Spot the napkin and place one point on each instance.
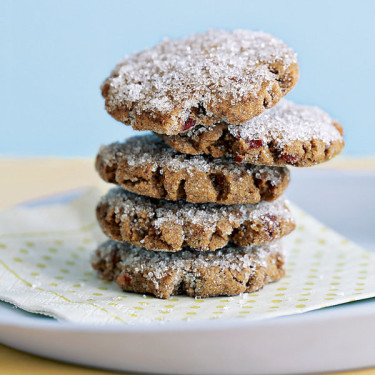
(45, 250)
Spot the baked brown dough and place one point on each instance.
(219, 75)
(226, 272)
(288, 134)
(162, 225)
(146, 165)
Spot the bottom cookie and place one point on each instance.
(226, 272)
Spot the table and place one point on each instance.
(27, 179)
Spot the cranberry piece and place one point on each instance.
(255, 143)
(188, 124)
(238, 159)
(126, 278)
(291, 159)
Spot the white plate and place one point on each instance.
(338, 338)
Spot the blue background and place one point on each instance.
(55, 54)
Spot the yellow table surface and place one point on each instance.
(26, 179)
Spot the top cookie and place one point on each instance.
(219, 75)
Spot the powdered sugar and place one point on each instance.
(288, 122)
(197, 70)
(208, 216)
(150, 149)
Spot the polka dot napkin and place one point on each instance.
(45, 268)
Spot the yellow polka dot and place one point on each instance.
(358, 289)
(254, 295)
(70, 263)
(75, 256)
(173, 299)
(64, 271)
(191, 313)
(363, 272)
(360, 284)
(3, 246)
(331, 294)
(344, 242)
(313, 270)
(24, 251)
(58, 242)
(46, 257)
(41, 265)
(302, 299)
(30, 244)
(86, 240)
(277, 300)
(301, 228)
(250, 300)
(306, 288)
(300, 306)
(334, 283)
(282, 288)
(280, 294)
(321, 241)
(224, 300)
(292, 263)
(309, 283)
(328, 298)
(340, 264)
(52, 250)
(53, 284)
(163, 311)
(247, 307)
(274, 307)
(81, 248)
(18, 260)
(106, 282)
(138, 308)
(312, 277)
(336, 277)
(220, 306)
(102, 288)
(112, 303)
(34, 274)
(143, 303)
(305, 294)
(287, 276)
(333, 289)
(296, 251)
(134, 315)
(87, 273)
(361, 277)
(363, 264)
(91, 300)
(59, 278)
(298, 240)
(76, 285)
(195, 307)
(169, 306)
(199, 300)
(84, 280)
(97, 294)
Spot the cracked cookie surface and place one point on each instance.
(287, 134)
(147, 166)
(202, 79)
(162, 225)
(226, 272)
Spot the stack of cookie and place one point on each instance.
(198, 209)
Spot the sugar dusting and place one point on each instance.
(150, 149)
(288, 122)
(156, 265)
(200, 69)
(208, 216)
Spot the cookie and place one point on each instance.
(226, 272)
(287, 134)
(162, 225)
(203, 79)
(146, 165)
